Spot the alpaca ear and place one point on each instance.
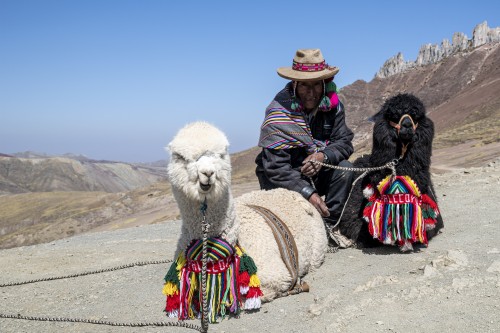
(377, 116)
(168, 148)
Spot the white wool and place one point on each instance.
(252, 303)
(173, 314)
(244, 290)
(200, 169)
(368, 192)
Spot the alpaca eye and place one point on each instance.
(178, 157)
(222, 156)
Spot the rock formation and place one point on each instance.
(432, 53)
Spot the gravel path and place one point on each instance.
(451, 286)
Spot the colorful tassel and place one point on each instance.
(398, 213)
(230, 274)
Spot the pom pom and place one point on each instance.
(252, 303)
(254, 281)
(244, 290)
(247, 264)
(170, 289)
(334, 100)
(368, 192)
(254, 292)
(173, 303)
(244, 279)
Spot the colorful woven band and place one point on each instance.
(216, 267)
(400, 199)
(309, 67)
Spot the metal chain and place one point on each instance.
(51, 278)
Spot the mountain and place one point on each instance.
(74, 173)
(433, 53)
(39, 217)
(461, 94)
(460, 90)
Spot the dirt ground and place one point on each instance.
(453, 285)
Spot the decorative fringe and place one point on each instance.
(398, 213)
(250, 283)
(230, 274)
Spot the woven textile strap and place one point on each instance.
(285, 240)
(309, 67)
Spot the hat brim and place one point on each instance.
(294, 75)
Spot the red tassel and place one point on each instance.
(428, 200)
(367, 211)
(173, 302)
(429, 221)
(244, 279)
(254, 292)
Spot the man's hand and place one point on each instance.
(319, 204)
(310, 169)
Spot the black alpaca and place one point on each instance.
(402, 132)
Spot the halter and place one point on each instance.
(398, 127)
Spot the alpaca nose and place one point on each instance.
(407, 123)
(208, 173)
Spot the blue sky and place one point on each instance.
(115, 80)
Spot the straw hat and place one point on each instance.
(308, 65)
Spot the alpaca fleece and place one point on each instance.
(411, 147)
(200, 169)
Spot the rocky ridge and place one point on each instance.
(433, 53)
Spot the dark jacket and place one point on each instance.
(281, 167)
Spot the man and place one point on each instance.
(306, 122)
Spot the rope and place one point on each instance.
(97, 321)
(102, 322)
(389, 165)
(204, 226)
(204, 319)
(51, 278)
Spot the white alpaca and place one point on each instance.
(200, 169)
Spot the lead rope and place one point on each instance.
(96, 321)
(390, 165)
(204, 227)
(204, 319)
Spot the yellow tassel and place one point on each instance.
(377, 226)
(181, 261)
(254, 281)
(193, 284)
(420, 227)
(239, 251)
(170, 289)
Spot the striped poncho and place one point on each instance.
(285, 126)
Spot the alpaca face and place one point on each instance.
(200, 165)
(403, 112)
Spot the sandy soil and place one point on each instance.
(451, 286)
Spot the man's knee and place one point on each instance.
(348, 175)
(345, 164)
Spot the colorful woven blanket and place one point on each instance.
(397, 212)
(232, 282)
